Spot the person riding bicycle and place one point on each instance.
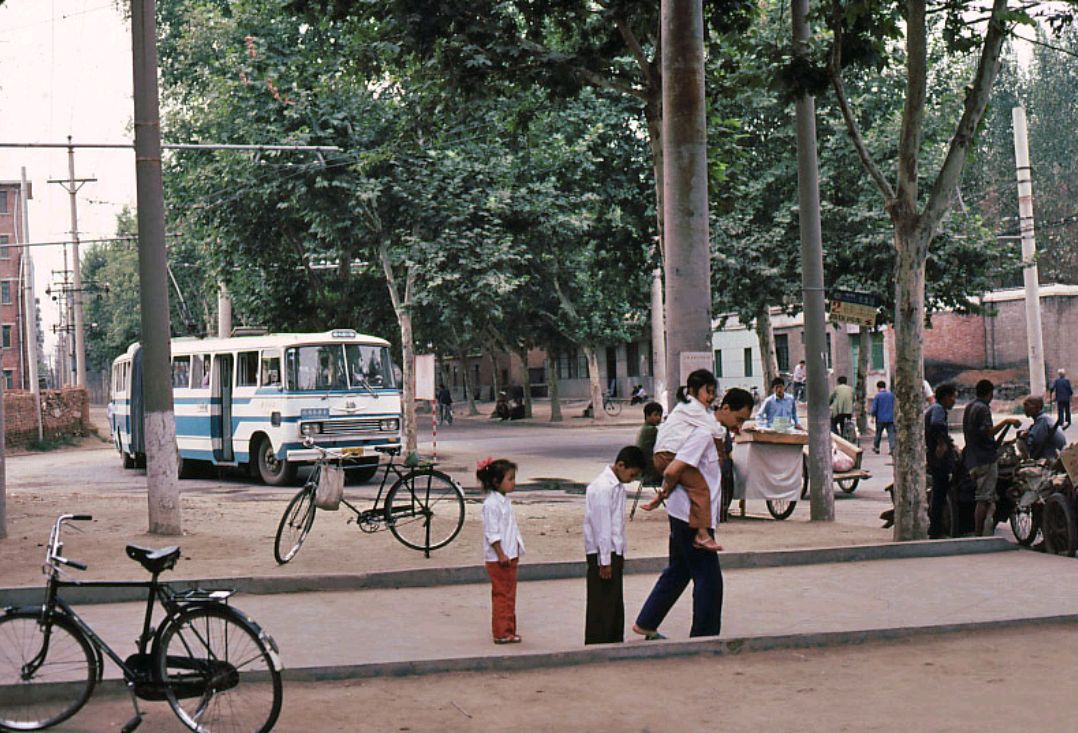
(445, 405)
(841, 405)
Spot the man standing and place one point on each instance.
(800, 378)
(883, 412)
(841, 405)
(940, 455)
(1061, 392)
(778, 405)
(982, 457)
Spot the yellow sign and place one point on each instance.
(856, 313)
(353, 451)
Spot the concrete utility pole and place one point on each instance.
(658, 341)
(160, 426)
(821, 495)
(1034, 335)
(224, 311)
(30, 322)
(684, 137)
(72, 186)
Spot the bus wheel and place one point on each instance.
(274, 472)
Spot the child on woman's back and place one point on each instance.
(502, 545)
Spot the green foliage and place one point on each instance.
(115, 313)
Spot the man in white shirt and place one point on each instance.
(686, 561)
(604, 547)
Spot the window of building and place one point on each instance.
(748, 361)
(567, 364)
(782, 351)
(5, 292)
(9, 379)
(247, 369)
(5, 251)
(6, 336)
(3, 202)
(181, 372)
(877, 352)
(718, 363)
(632, 359)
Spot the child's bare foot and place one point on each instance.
(706, 543)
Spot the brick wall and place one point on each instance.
(954, 342)
(63, 412)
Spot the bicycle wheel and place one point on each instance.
(780, 509)
(612, 407)
(296, 522)
(62, 670)
(1024, 524)
(849, 431)
(425, 510)
(219, 671)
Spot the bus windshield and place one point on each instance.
(339, 366)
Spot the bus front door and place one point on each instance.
(222, 394)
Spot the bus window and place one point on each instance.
(369, 365)
(181, 372)
(271, 370)
(247, 369)
(200, 371)
(316, 367)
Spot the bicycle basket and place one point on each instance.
(330, 488)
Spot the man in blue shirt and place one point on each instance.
(1043, 438)
(1062, 392)
(883, 412)
(940, 454)
(777, 404)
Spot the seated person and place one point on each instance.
(639, 395)
(1043, 439)
(777, 404)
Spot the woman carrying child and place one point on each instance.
(502, 545)
(692, 411)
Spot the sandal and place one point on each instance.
(648, 635)
(511, 639)
(711, 546)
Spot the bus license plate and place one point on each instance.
(353, 451)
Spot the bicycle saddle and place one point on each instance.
(155, 561)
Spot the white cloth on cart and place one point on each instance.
(767, 471)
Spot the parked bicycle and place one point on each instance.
(611, 406)
(218, 670)
(423, 509)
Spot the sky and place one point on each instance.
(65, 69)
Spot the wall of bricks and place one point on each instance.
(954, 342)
(63, 412)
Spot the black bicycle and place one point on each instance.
(424, 508)
(215, 666)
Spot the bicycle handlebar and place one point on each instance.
(53, 558)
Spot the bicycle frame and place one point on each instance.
(386, 468)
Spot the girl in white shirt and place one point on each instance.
(691, 412)
(502, 545)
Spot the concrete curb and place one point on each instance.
(460, 575)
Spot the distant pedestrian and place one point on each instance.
(445, 405)
(1062, 392)
(800, 379)
(841, 402)
(981, 455)
(604, 547)
(883, 412)
(645, 441)
(502, 545)
(941, 456)
(686, 561)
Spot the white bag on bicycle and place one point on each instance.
(330, 488)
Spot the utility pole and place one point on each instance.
(685, 208)
(821, 496)
(30, 322)
(72, 186)
(1034, 335)
(658, 341)
(160, 425)
(224, 311)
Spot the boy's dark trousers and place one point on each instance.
(604, 621)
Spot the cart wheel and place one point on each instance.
(780, 509)
(848, 485)
(1024, 524)
(1057, 525)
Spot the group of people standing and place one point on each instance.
(689, 450)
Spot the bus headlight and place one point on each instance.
(390, 425)
(310, 428)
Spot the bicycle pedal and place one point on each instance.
(130, 725)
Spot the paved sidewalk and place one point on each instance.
(420, 630)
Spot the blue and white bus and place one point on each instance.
(252, 399)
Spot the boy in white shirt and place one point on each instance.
(604, 546)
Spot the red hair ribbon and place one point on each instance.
(480, 465)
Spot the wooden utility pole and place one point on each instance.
(1030, 277)
(686, 244)
(821, 496)
(30, 321)
(163, 489)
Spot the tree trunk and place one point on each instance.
(911, 518)
(494, 386)
(552, 384)
(687, 255)
(766, 336)
(409, 427)
(597, 411)
(860, 391)
(525, 380)
(469, 391)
